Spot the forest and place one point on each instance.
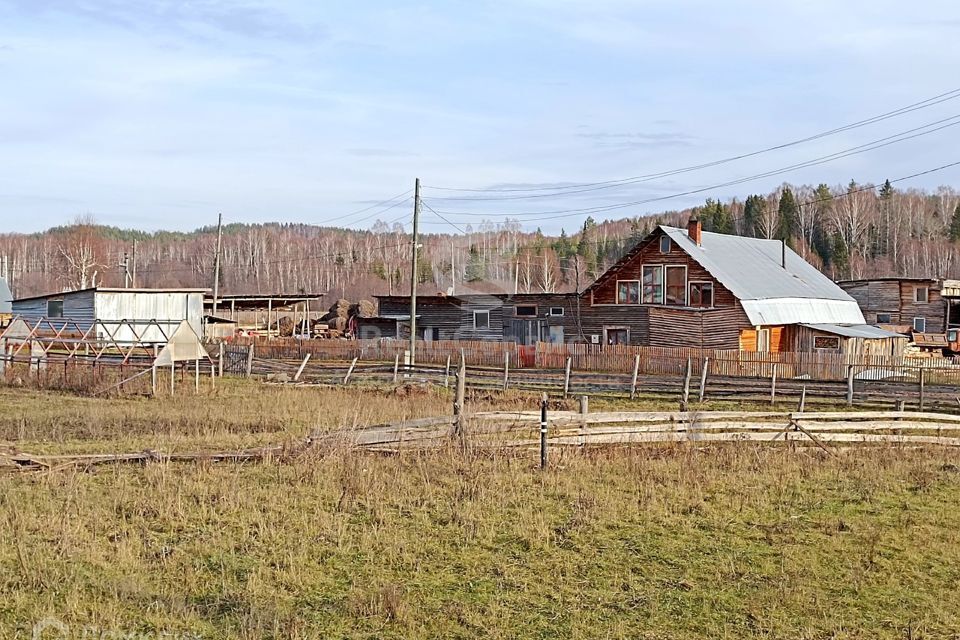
(847, 231)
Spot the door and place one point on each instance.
(763, 340)
(556, 334)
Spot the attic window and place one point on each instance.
(481, 319)
(921, 294)
(525, 311)
(664, 244)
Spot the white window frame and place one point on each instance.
(614, 327)
(663, 273)
(535, 313)
(669, 242)
(926, 294)
(556, 311)
(477, 312)
(686, 299)
(713, 293)
(639, 292)
(923, 320)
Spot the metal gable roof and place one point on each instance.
(751, 267)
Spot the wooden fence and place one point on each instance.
(569, 428)
(685, 388)
(640, 361)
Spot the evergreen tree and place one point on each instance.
(752, 213)
(587, 248)
(955, 224)
(787, 215)
(886, 191)
(476, 269)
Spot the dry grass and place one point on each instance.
(643, 542)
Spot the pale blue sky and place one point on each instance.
(160, 114)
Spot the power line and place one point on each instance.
(439, 215)
(870, 146)
(563, 190)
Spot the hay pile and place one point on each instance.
(340, 313)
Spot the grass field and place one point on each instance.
(643, 542)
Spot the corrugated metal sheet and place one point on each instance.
(854, 331)
(168, 308)
(780, 311)
(5, 297)
(751, 267)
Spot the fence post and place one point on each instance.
(153, 380)
(220, 361)
(346, 378)
(506, 369)
(686, 386)
(803, 399)
(773, 384)
(396, 367)
(566, 378)
(446, 374)
(584, 410)
(849, 385)
(922, 387)
(250, 360)
(543, 431)
(633, 382)
(196, 376)
(459, 401)
(303, 364)
(703, 379)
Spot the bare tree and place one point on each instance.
(80, 249)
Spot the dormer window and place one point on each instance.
(664, 244)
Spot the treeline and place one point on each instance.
(849, 232)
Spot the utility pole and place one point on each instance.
(413, 272)
(125, 265)
(216, 264)
(134, 276)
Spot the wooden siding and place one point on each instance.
(648, 253)
(896, 298)
(781, 339)
(849, 346)
(705, 329)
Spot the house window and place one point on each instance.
(616, 335)
(921, 294)
(920, 325)
(676, 288)
(653, 284)
(763, 340)
(701, 294)
(481, 319)
(628, 291)
(54, 308)
(525, 311)
(826, 343)
(883, 318)
(664, 244)
(556, 311)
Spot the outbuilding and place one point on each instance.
(151, 315)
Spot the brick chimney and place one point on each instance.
(694, 230)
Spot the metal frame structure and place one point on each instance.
(98, 339)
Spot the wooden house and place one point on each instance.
(522, 318)
(914, 303)
(691, 288)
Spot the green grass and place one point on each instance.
(642, 542)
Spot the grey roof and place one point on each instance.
(751, 267)
(6, 297)
(771, 290)
(854, 330)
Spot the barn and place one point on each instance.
(163, 309)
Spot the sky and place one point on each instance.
(162, 114)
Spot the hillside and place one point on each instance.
(847, 231)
